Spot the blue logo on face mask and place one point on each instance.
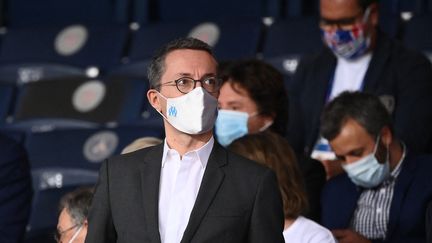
(172, 111)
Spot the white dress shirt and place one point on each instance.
(349, 75)
(179, 185)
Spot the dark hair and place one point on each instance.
(77, 203)
(366, 3)
(366, 109)
(157, 65)
(265, 86)
(272, 150)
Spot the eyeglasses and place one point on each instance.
(187, 84)
(58, 234)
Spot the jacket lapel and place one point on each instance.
(323, 79)
(402, 185)
(379, 59)
(150, 177)
(212, 179)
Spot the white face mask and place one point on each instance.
(368, 172)
(192, 113)
(75, 235)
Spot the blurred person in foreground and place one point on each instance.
(272, 150)
(141, 143)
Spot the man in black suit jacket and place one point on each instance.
(15, 190)
(400, 77)
(144, 196)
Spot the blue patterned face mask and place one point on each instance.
(231, 125)
(348, 44)
(368, 172)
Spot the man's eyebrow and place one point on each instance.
(190, 75)
(234, 102)
(348, 20)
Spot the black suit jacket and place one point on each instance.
(15, 190)
(402, 78)
(238, 201)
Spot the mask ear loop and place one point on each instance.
(267, 125)
(366, 14)
(76, 234)
(160, 111)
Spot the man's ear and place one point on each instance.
(154, 99)
(386, 136)
(374, 14)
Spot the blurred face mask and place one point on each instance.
(192, 113)
(349, 44)
(231, 125)
(367, 172)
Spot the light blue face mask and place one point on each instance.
(368, 172)
(231, 125)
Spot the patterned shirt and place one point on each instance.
(371, 216)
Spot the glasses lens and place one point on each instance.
(185, 84)
(211, 84)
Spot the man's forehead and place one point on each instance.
(185, 58)
(351, 136)
(339, 9)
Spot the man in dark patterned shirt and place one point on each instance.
(382, 197)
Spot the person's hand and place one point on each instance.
(332, 168)
(349, 236)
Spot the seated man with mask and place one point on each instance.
(383, 195)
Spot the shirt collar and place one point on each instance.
(203, 152)
(398, 167)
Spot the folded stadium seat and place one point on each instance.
(418, 34)
(31, 54)
(230, 39)
(390, 23)
(32, 14)
(61, 160)
(198, 10)
(288, 40)
(45, 105)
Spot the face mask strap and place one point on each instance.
(76, 234)
(366, 14)
(267, 125)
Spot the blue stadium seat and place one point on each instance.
(416, 7)
(76, 150)
(6, 100)
(62, 160)
(418, 34)
(230, 39)
(288, 40)
(198, 10)
(81, 103)
(29, 54)
(28, 13)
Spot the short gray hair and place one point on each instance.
(77, 204)
(157, 65)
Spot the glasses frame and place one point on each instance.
(346, 22)
(176, 82)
